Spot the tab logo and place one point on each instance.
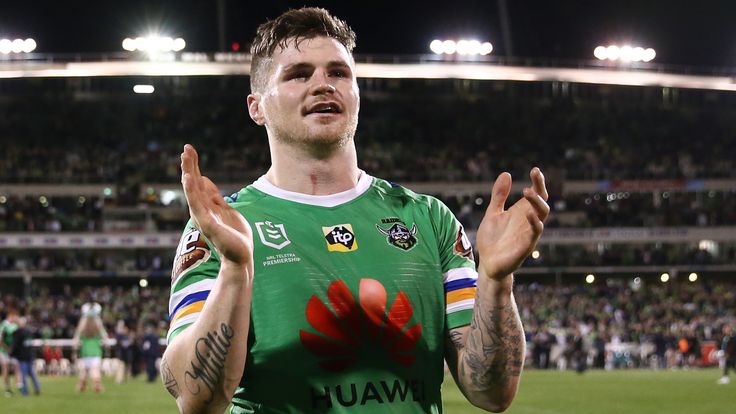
(340, 238)
(272, 235)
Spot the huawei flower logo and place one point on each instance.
(348, 325)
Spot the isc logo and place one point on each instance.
(340, 238)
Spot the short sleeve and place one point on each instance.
(196, 266)
(458, 266)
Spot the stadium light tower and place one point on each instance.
(625, 53)
(154, 44)
(17, 46)
(463, 47)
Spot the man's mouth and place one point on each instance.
(324, 108)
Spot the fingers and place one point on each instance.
(539, 205)
(536, 223)
(538, 183)
(190, 162)
(500, 192)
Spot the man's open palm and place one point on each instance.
(226, 228)
(506, 237)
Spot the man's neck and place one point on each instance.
(295, 170)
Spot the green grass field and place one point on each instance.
(542, 392)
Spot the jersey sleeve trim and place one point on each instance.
(459, 319)
(174, 332)
(188, 302)
(460, 288)
(190, 309)
(189, 294)
(182, 323)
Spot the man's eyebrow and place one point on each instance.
(298, 66)
(337, 64)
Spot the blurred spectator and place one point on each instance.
(22, 351)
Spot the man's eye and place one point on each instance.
(298, 76)
(339, 73)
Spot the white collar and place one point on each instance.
(330, 200)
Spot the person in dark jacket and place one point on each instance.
(150, 351)
(21, 351)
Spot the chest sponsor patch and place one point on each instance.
(192, 252)
(340, 238)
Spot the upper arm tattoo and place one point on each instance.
(457, 338)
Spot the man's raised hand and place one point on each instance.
(226, 228)
(506, 237)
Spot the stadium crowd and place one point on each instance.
(618, 209)
(135, 318)
(617, 323)
(459, 133)
(622, 324)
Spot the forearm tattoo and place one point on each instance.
(494, 347)
(208, 367)
(168, 378)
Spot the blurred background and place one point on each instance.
(628, 108)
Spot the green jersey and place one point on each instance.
(91, 346)
(353, 294)
(6, 335)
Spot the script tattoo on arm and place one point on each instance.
(494, 347)
(168, 378)
(210, 353)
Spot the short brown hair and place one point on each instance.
(298, 24)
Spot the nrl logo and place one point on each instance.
(272, 235)
(398, 235)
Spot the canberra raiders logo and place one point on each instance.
(398, 235)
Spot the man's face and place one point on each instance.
(311, 97)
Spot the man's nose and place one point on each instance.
(322, 83)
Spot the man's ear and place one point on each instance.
(255, 110)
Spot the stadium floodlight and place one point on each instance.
(143, 283)
(179, 44)
(664, 277)
(626, 53)
(462, 47)
(648, 55)
(692, 277)
(601, 53)
(437, 47)
(6, 46)
(143, 88)
(638, 54)
(17, 45)
(590, 278)
(449, 47)
(29, 45)
(613, 52)
(129, 44)
(486, 48)
(154, 44)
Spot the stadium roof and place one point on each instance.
(682, 32)
(426, 70)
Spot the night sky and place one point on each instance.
(696, 33)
